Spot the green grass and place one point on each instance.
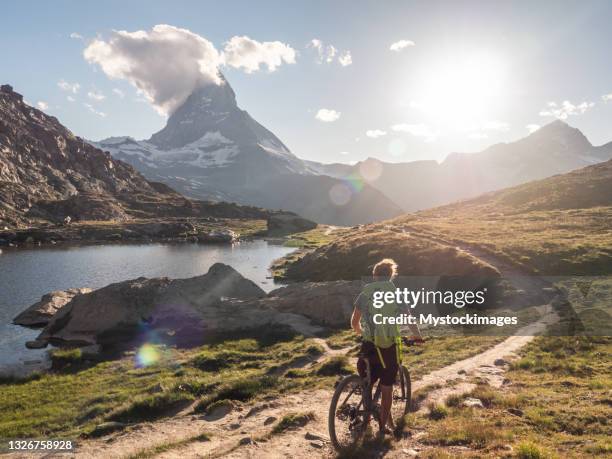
(529, 450)
(70, 403)
(550, 408)
(437, 412)
(336, 365)
(147, 408)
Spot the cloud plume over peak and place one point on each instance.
(166, 64)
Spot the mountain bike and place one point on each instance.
(353, 405)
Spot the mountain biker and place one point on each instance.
(381, 342)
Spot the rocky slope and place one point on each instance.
(211, 149)
(554, 149)
(48, 173)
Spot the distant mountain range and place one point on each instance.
(211, 149)
(554, 149)
(48, 173)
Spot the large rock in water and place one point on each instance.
(175, 311)
(41, 312)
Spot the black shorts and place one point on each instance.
(386, 373)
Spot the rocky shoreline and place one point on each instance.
(184, 312)
(208, 230)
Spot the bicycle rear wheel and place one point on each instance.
(402, 395)
(348, 419)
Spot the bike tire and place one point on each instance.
(333, 407)
(402, 395)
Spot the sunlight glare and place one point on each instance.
(461, 91)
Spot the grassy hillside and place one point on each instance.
(555, 404)
(556, 226)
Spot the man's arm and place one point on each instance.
(356, 320)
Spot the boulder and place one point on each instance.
(287, 223)
(40, 313)
(471, 402)
(179, 312)
(218, 237)
(326, 303)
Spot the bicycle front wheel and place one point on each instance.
(402, 395)
(348, 419)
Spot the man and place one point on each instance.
(380, 341)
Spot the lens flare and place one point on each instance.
(354, 182)
(340, 194)
(370, 170)
(147, 355)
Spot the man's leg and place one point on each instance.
(385, 404)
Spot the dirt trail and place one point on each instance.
(245, 432)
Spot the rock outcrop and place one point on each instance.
(288, 223)
(325, 303)
(176, 311)
(41, 312)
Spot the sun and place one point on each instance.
(461, 91)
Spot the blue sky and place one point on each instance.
(473, 73)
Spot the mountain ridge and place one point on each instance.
(556, 148)
(212, 149)
(48, 173)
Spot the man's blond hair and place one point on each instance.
(385, 268)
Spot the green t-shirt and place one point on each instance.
(382, 335)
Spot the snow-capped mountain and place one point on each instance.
(211, 149)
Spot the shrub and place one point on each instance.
(62, 358)
(437, 412)
(453, 400)
(241, 390)
(528, 450)
(293, 421)
(151, 407)
(337, 365)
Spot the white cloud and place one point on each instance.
(70, 99)
(166, 63)
(607, 97)
(345, 59)
(532, 128)
(565, 109)
(417, 130)
(329, 53)
(375, 133)
(42, 105)
(344, 153)
(327, 115)
(96, 95)
(244, 52)
(92, 109)
(68, 87)
(401, 44)
(119, 93)
(76, 36)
